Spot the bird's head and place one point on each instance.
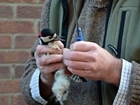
(47, 35)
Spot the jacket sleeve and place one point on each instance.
(30, 67)
(134, 90)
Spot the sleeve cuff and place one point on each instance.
(121, 96)
(34, 85)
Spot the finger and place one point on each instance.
(77, 56)
(86, 74)
(46, 60)
(77, 64)
(60, 44)
(42, 49)
(51, 68)
(83, 46)
(82, 72)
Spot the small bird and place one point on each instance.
(48, 37)
(61, 84)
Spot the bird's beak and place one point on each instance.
(59, 38)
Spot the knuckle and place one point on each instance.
(73, 46)
(38, 48)
(73, 65)
(89, 66)
(72, 55)
(43, 61)
(60, 44)
(95, 46)
(70, 64)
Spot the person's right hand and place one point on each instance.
(48, 63)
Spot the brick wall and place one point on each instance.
(19, 27)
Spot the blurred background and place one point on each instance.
(19, 27)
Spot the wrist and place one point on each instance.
(45, 87)
(48, 80)
(115, 74)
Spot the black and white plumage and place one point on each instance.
(48, 37)
(61, 85)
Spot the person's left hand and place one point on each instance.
(90, 61)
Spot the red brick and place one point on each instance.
(4, 71)
(29, 11)
(18, 1)
(19, 71)
(6, 11)
(16, 27)
(14, 56)
(5, 41)
(4, 100)
(17, 100)
(25, 41)
(38, 26)
(9, 86)
(41, 1)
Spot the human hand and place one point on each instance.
(48, 64)
(90, 61)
